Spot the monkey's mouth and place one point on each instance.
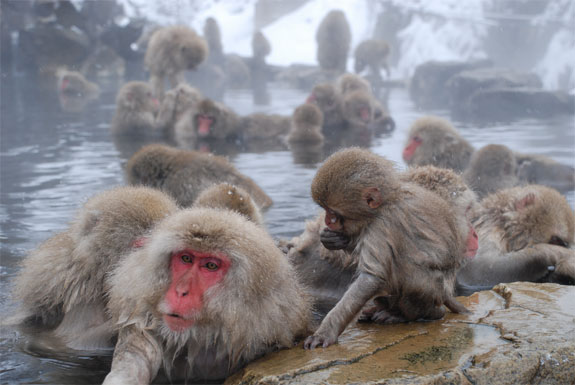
(177, 322)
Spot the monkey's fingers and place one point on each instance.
(332, 240)
(314, 341)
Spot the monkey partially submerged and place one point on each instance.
(407, 240)
(217, 293)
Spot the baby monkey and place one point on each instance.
(407, 240)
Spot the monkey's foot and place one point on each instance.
(385, 317)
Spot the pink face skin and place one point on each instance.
(365, 115)
(472, 243)
(409, 150)
(204, 125)
(332, 220)
(192, 273)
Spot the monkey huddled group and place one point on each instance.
(177, 270)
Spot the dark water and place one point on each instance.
(51, 162)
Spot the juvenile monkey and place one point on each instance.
(306, 125)
(184, 174)
(491, 168)
(435, 141)
(227, 196)
(62, 282)
(213, 38)
(358, 110)
(348, 83)
(207, 293)
(135, 109)
(74, 91)
(333, 38)
(326, 97)
(407, 240)
(171, 51)
(373, 54)
(210, 120)
(526, 234)
(176, 102)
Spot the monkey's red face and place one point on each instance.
(204, 123)
(192, 273)
(365, 114)
(409, 150)
(472, 243)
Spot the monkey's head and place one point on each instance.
(212, 276)
(149, 164)
(353, 186)
(207, 118)
(534, 214)
(189, 49)
(137, 96)
(495, 161)
(357, 108)
(428, 136)
(348, 83)
(325, 96)
(227, 196)
(187, 97)
(308, 115)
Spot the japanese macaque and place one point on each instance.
(237, 72)
(372, 54)
(435, 141)
(210, 120)
(326, 97)
(261, 46)
(264, 126)
(62, 282)
(184, 174)
(176, 102)
(136, 108)
(526, 234)
(358, 110)
(348, 83)
(227, 196)
(333, 38)
(213, 38)
(74, 91)
(382, 122)
(306, 125)
(407, 241)
(540, 169)
(328, 273)
(171, 51)
(207, 293)
(490, 169)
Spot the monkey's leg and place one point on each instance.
(137, 358)
(360, 291)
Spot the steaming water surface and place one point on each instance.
(51, 162)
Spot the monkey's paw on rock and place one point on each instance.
(516, 333)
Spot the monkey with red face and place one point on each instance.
(217, 294)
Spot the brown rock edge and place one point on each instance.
(518, 333)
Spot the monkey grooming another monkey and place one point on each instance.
(435, 141)
(227, 196)
(333, 39)
(526, 234)
(184, 174)
(491, 168)
(171, 51)
(407, 241)
(373, 54)
(207, 293)
(135, 109)
(62, 282)
(176, 102)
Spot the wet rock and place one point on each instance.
(428, 84)
(508, 103)
(516, 333)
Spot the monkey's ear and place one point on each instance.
(372, 196)
(527, 200)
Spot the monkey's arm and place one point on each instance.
(137, 358)
(531, 264)
(361, 290)
(167, 112)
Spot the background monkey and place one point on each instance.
(217, 294)
(333, 38)
(373, 54)
(184, 98)
(136, 107)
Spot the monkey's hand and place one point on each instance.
(564, 270)
(332, 240)
(319, 339)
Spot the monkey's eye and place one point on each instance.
(187, 258)
(555, 240)
(211, 266)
